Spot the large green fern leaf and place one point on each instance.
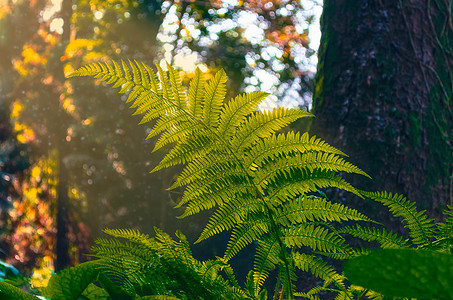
(419, 225)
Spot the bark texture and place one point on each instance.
(384, 94)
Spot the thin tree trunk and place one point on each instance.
(63, 259)
(384, 94)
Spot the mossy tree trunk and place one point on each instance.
(384, 94)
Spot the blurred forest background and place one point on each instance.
(73, 161)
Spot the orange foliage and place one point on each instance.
(32, 219)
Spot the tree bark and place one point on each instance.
(384, 94)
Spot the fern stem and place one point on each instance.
(362, 294)
(283, 252)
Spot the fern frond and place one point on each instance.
(352, 252)
(153, 81)
(266, 258)
(311, 208)
(287, 143)
(245, 234)
(152, 111)
(317, 238)
(204, 166)
(446, 228)
(104, 249)
(144, 88)
(179, 93)
(229, 215)
(264, 124)
(215, 94)
(311, 294)
(318, 268)
(287, 275)
(129, 234)
(164, 267)
(179, 130)
(151, 85)
(179, 251)
(386, 239)
(228, 270)
(419, 225)
(135, 73)
(197, 94)
(309, 161)
(216, 194)
(217, 184)
(234, 113)
(144, 74)
(184, 153)
(299, 181)
(118, 71)
(163, 124)
(210, 268)
(165, 85)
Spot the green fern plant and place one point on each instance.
(261, 184)
(163, 266)
(140, 268)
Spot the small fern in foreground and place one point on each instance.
(163, 266)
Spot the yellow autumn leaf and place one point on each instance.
(36, 172)
(31, 56)
(17, 108)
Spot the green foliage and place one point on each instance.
(407, 273)
(262, 185)
(163, 266)
(9, 273)
(402, 272)
(71, 283)
(10, 292)
(419, 225)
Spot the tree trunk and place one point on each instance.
(384, 94)
(63, 259)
